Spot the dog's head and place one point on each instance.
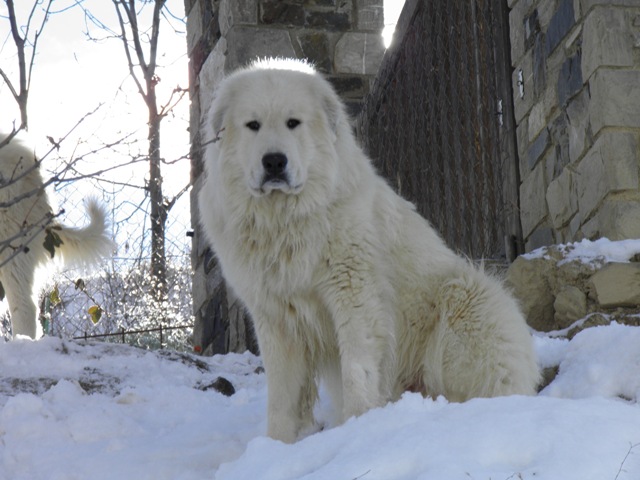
(275, 124)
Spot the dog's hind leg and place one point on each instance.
(17, 280)
(481, 346)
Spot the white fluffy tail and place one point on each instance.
(82, 246)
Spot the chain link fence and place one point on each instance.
(436, 123)
(118, 296)
(122, 287)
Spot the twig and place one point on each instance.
(363, 475)
(631, 447)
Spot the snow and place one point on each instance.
(103, 411)
(595, 252)
(74, 410)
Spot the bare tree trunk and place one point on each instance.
(158, 213)
(159, 206)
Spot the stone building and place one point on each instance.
(576, 90)
(342, 38)
(576, 85)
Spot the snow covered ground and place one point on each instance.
(103, 411)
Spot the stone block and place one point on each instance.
(359, 53)
(561, 23)
(522, 137)
(559, 133)
(606, 39)
(250, 43)
(333, 21)
(522, 84)
(211, 73)
(237, 12)
(617, 285)
(570, 79)
(198, 290)
(538, 148)
(547, 9)
(540, 237)
(587, 5)
(349, 87)
(615, 99)
(562, 199)
(528, 280)
(539, 66)
(531, 25)
(619, 219)
(316, 48)
(537, 119)
(570, 305)
(370, 15)
(517, 29)
(194, 27)
(610, 166)
(532, 199)
(579, 128)
(277, 12)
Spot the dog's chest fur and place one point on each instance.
(279, 252)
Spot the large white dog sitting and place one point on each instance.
(345, 282)
(26, 220)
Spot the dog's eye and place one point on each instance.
(292, 123)
(253, 125)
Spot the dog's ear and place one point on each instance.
(333, 109)
(219, 111)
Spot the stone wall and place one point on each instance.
(563, 293)
(342, 37)
(576, 85)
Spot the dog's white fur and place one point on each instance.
(25, 214)
(345, 282)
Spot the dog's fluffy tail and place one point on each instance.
(83, 246)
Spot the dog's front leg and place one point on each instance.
(366, 340)
(291, 384)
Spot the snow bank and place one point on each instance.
(72, 411)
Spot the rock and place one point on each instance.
(617, 285)
(570, 305)
(594, 320)
(221, 385)
(528, 279)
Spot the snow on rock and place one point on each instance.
(559, 285)
(600, 362)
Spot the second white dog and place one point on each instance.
(344, 280)
(25, 220)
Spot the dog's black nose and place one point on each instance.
(274, 164)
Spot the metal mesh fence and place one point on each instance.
(435, 121)
(122, 287)
(119, 294)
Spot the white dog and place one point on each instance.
(26, 222)
(345, 282)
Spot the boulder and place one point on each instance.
(528, 280)
(617, 285)
(570, 305)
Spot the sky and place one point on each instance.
(80, 66)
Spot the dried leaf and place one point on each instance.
(51, 241)
(95, 312)
(54, 296)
